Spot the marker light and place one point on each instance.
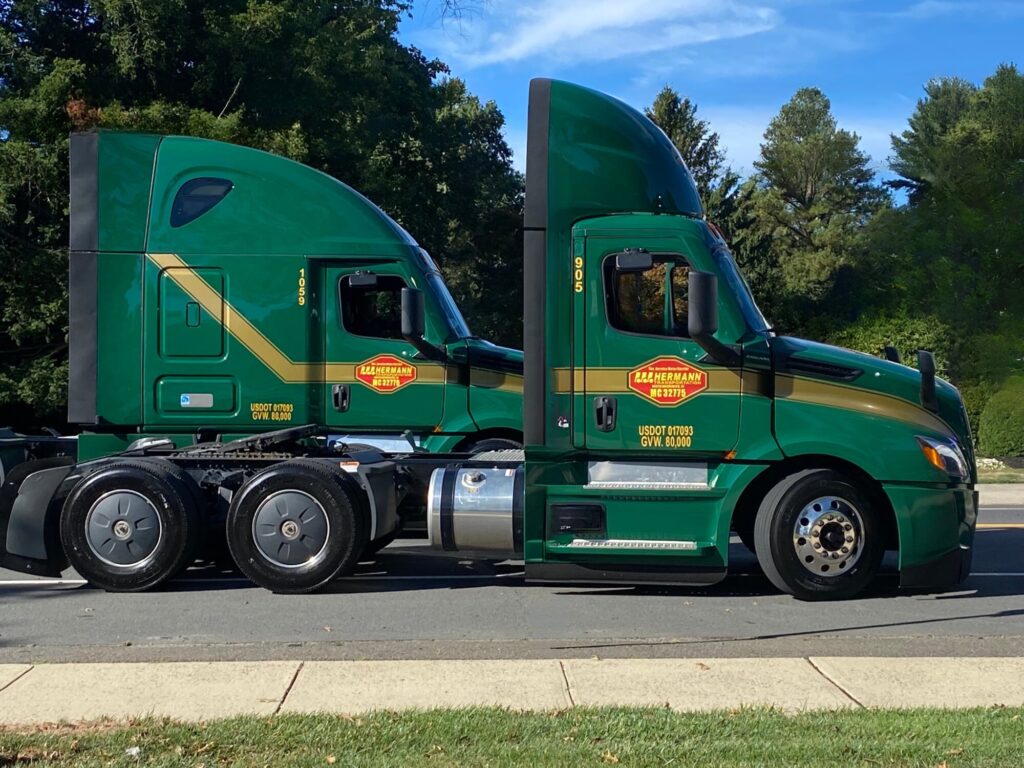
(945, 456)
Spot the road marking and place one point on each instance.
(1000, 525)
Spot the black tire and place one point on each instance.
(493, 444)
(329, 526)
(138, 496)
(814, 567)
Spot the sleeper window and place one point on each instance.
(196, 197)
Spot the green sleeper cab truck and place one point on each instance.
(219, 290)
(660, 410)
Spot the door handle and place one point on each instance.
(605, 409)
(340, 394)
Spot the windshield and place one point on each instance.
(738, 285)
(450, 310)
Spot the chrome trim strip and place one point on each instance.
(688, 546)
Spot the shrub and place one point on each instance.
(908, 333)
(1001, 432)
(976, 396)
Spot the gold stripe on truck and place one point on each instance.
(814, 392)
(793, 388)
(615, 380)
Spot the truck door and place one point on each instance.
(646, 386)
(374, 379)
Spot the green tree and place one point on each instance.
(955, 250)
(697, 143)
(917, 151)
(818, 191)
(326, 83)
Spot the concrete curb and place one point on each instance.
(202, 690)
(1000, 494)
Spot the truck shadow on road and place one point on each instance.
(412, 566)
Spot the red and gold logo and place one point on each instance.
(667, 380)
(385, 373)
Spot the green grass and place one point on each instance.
(1002, 475)
(578, 737)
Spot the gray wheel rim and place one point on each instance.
(123, 529)
(291, 529)
(828, 536)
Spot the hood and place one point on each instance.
(484, 354)
(799, 357)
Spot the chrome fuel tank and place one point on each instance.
(476, 508)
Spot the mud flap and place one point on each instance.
(29, 517)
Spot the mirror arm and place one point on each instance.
(428, 350)
(721, 353)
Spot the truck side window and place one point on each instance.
(372, 310)
(653, 302)
(196, 197)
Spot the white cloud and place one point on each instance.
(930, 9)
(599, 30)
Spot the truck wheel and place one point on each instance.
(818, 536)
(131, 525)
(296, 526)
(493, 444)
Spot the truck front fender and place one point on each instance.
(30, 516)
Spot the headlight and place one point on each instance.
(945, 456)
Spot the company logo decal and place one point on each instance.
(667, 380)
(385, 373)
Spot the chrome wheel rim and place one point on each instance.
(291, 529)
(123, 529)
(828, 536)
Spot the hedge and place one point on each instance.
(1001, 432)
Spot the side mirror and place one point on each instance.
(413, 325)
(633, 260)
(702, 317)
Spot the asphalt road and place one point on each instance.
(414, 603)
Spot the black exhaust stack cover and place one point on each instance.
(84, 243)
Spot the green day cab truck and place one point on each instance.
(660, 410)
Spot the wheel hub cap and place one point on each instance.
(828, 536)
(123, 528)
(290, 529)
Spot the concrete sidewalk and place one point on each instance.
(202, 690)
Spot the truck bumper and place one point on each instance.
(936, 527)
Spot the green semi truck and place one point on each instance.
(660, 410)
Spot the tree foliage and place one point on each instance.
(817, 192)
(956, 247)
(325, 83)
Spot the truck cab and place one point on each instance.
(662, 411)
(220, 290)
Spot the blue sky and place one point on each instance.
(739, 60)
